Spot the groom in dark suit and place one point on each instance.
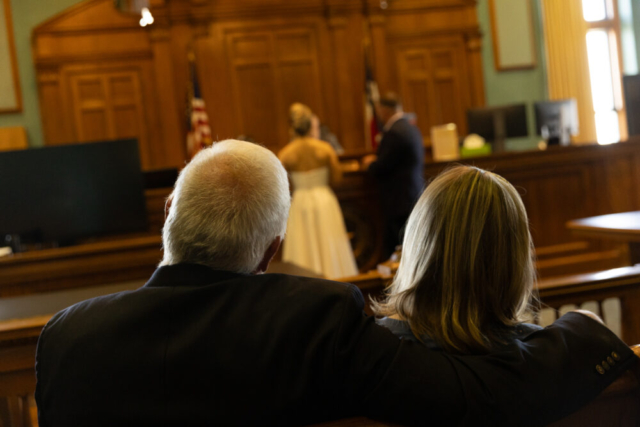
(210, 340)
(398, 168)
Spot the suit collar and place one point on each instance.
(392, 121)
(189, 275)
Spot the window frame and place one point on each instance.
(611, 24)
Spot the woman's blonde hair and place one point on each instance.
(300, 117)
(467, 269)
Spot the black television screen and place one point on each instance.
(68, 192)
(491, 123)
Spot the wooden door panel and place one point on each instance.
(449, 106)
(257, 96)
(298, 87)
(107, 103)
(416, 86)
(433, 81)
(271, 68)
(254, 48)
(418, 99)
(93, 125)
(90, 89)
(126, 108)
(295, 46)
(90, 107)
(447, 87)
(127, 122)
(122, 88)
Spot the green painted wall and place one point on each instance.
(514, 87)
(27, 14)
(635, 10)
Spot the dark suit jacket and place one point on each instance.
(201, 347)
(398, 168)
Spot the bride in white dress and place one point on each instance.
(316, 237)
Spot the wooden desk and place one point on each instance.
(91, 264)
(623, 226)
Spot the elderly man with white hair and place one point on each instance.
(211, 341)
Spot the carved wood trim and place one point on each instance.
(403, 6)
(48, 25)
(467, 32)
(44, 63)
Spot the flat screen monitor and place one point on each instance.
(556, 121)
(495, 124)
(68, 192)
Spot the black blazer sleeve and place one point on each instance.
(391, 154)
(536, 381)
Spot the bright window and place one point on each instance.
(594, 10)
(604, 69)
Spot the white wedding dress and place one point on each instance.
(316, 237)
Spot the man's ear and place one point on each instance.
(167, 206)
(268, 256)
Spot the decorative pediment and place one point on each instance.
(391, 6)
(90, 15)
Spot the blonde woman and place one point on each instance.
(316, 237)
(466, 275)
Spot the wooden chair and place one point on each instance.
(18, 340)
(617, 406)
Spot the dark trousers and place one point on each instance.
(393, 234)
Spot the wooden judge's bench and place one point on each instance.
(557, 185)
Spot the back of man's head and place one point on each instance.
(229, 204)
(391, 101)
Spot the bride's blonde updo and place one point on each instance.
(300, 117)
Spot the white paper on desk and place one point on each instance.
(6, 251)
(444, 142)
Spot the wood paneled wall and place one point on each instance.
(101, 76)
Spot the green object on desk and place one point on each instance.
(485, 150)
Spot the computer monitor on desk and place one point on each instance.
(495, 124)
(556, 121)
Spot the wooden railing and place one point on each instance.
(621, 284)
(556, 186)
(558, 295)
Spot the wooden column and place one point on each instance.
(476, 77)
(381, 65)
(348, 58)
(169, 150)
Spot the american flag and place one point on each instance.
(199, 135)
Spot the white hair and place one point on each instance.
(229, 204)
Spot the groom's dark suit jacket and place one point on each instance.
(201, 347)
(399, 169)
